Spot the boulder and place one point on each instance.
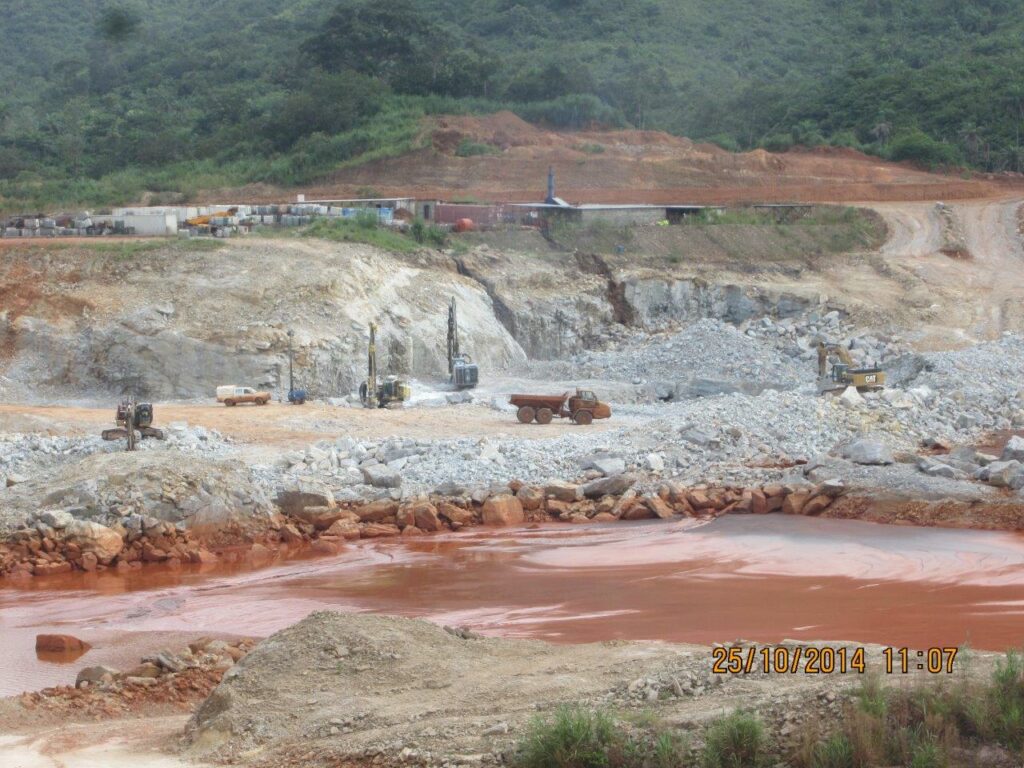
(88, 536)
(531, 498)
(659, 507)
(425, 517)
(608, 486)
(868, 452)
(816, 505)
(503, 509)
(56, 518)
(562, 491)
(378, 530)
(381, 476)
(1014, 450)
(455, 515)
(654, 462)
(608, 465)
(378, 511)
(306, 493)
(851, 398)
(1005, 474)
(634, 509)
(95, 675)
(346, 528)
(795, 502)
(758, 502)
(322, 517)
(60, 644)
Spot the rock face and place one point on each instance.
(503, 510)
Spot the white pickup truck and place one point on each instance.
(232, 395)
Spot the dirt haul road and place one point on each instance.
(968, 255)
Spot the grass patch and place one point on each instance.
(924, 726)
(579, 738)
(469, 148)
(365, 230)
(590, 149)
(736, 741)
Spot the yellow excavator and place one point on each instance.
(392, 391)
(834, 376)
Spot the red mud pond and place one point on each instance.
(758, 578)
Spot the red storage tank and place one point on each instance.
(464, 225)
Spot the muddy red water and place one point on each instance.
(759, 578)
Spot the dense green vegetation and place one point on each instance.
(106, 98)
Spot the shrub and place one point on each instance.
(918, 147)
(469, 148)
(736, 741)
(835, 752)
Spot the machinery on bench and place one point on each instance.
(133, 419)
(463, 373)
(390, 392)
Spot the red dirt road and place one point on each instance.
(628, 166)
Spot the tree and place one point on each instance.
(117, 24)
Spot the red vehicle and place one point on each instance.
(582, 408)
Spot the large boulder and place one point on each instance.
(562, 491)
(1014, 450)
(869, 452)
(88, 536)
(609, 486)
(382, 476)
(305, 493)
(503, 509)
(1005, 474)
(382, 510)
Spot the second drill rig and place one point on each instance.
(391, 391)
(463, 373)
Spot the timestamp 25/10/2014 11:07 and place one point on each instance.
(814, 660)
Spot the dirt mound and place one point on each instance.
(349, 685)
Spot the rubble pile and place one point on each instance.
(181, 677)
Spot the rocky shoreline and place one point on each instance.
(308, 518)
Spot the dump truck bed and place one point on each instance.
(554, 402)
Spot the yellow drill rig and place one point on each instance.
(391, 391)
(843, 374)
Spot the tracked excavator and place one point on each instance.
(390, 392)
(463, 373)
(134, 421)
(834, 376)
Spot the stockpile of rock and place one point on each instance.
(164, 485)
(22, 455)
(965, 462)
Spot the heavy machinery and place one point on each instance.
(295, 396)
(834, 376)
(463, 373)
(391, 391)
(133, 419)
(582, 407)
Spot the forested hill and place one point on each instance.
(180, 94)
